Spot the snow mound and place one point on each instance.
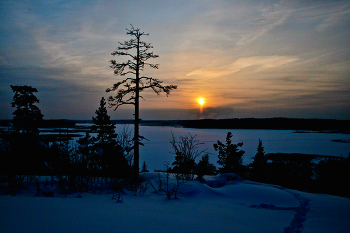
(222, 180)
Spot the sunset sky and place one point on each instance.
(244, 58)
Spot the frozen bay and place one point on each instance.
(158, 150)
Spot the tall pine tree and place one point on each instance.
(137, 54)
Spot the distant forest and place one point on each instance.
(341, 126)
(260, 123)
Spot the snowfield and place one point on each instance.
(227, 206)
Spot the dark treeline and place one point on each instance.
(46, 123)
(306, 172)
(234, 123)
(259, 123)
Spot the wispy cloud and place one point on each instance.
(268, 19)
(322, 15)
(333, 16)
(259, 63)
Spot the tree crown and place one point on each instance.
(26, 113)
(133, 66)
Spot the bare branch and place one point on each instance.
(116, 86)
(155, 66)
(156, 86)
(133, 66)
(123, 54)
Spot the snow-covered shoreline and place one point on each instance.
(237, 206)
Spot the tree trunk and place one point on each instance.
(136, 134)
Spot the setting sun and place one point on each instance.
(201, 101)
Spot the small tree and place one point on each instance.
(171, 188)
(144, 167)
(204, 167)
(85, 150)
(60, 161)
(103, 125)
(124, 139)
(259, 163)
(27, 114)
(109, 152)
(186, 152)
(133, 86)
(230, 157)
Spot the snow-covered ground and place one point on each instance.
(236, 206)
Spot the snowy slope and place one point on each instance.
(238, 206)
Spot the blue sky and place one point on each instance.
(245, 58)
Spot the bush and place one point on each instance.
(230, 157)
(186, 152)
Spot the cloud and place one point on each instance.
(259, 62)
(334, 16)
(268, 19)
(322, 15)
